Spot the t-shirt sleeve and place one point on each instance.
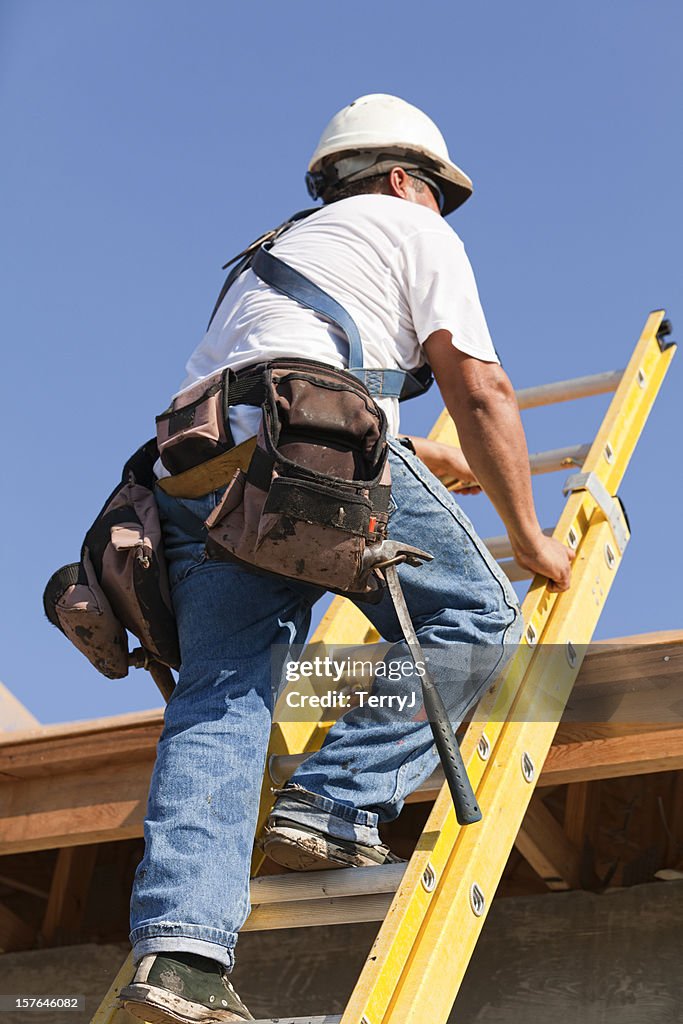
(441, 292)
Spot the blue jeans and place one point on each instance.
(191, 889)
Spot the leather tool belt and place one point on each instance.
(309, 496)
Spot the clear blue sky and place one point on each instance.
(145, 143)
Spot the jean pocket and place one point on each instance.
(185, 563)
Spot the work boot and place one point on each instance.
(182, 988)
(303, 848)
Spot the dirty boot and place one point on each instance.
(303, 848)
(182, 988)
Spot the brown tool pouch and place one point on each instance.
(195, 428)
(121, 582)
(315, 496)
(75, 602)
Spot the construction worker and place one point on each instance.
(380, 247)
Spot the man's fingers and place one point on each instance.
(558, 586)
(463, 486)
(557, 569)
(562, 581)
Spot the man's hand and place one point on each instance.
(447, 463)
(549, 558)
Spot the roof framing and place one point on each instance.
(87, 782)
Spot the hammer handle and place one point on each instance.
(465, 802)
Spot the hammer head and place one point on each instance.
(393, 552)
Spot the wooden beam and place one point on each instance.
(14, 933)
(639, 660)
(633, 679)
(73, 747)
(68, 894)
(611, 757)
(108, 802)
(581, 811)
(544, 844)
(674, 850)
(577, 812)
(21, 886)
(104, 804)
(13, 714)
(99, 771)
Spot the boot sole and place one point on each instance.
(137, 1000)
(292, 849)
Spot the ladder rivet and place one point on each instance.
(571, 653)
(572, 539)
(429, 879)
(609, 453)
(530, 635)
(528, 767)
(477, 900)
(642, 379)
(484, 747)
(610, 557)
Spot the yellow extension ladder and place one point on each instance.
(415, 967)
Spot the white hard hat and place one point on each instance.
(378, 132)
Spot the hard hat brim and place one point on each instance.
(456, 187)
(454, 183)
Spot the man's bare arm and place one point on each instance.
(447, 463)
(482, 403)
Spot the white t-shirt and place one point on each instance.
(398, 268)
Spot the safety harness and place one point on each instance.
(382, 383)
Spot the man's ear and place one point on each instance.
(399, 182)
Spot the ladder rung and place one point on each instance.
(328, 1018)
(514, 571)
(320, 885)
(565, 390)
(312, 913)
(558, 458)
(554, 460)
(500, 546)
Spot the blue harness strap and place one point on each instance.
(290, 282)
(382, 383)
